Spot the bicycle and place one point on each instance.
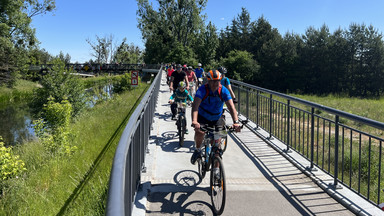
(211, 158)
(181, 121)
(192, 91)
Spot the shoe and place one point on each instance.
(216, 172)
(186, 131)
(194, 157)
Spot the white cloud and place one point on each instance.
(222, 18)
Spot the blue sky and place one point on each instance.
(74, 21)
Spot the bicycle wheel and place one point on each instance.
(218, 187)
(224, 144)
(181, 129)
(201, 167)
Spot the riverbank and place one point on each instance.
(76, 185)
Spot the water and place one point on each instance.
(16, 124)
(16, 119)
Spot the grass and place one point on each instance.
(356, 170)
(21, 91)
(76, 185)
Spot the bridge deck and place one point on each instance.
(260, 181)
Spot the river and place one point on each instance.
(16, 118)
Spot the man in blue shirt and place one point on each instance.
(207, 108)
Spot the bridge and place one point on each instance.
(90, 70)
(289, 160)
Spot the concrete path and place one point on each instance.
(260, 181)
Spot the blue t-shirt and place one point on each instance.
(199, 72)
(225, 82)
(212, 107)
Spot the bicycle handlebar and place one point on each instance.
(206, 128)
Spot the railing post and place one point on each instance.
(238, 99)
(257, 109)
(336, 153)
(247, 104)
(270, 116)
(288, 125)
(312, 138)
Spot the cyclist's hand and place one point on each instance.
(236, 127)
(170, 101)
(196, 125)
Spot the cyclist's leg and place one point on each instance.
(199, 138)
(173, 109)
(220, 123)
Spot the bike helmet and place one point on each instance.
(181, 84)
(190, 68)
(222, 70)
(214, 75)
(178, 66)
(199, 65)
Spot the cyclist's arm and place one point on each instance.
(171, 84)
(233, 112)
(186, 81)
(195, 77)
(231, 91)
(195, 110)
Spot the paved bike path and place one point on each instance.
(259, 180)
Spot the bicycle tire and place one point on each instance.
(201, 168)
(218, 187)
(181, 130)
(224, 143)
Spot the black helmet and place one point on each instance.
(222, 70)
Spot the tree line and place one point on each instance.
(346, 61)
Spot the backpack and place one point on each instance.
(207, 92)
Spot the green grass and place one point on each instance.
(21, 91)
(324, 143)
(369, 108)
(76, 185)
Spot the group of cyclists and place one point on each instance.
(213, 90)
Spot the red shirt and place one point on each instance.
(190, 76)
(170, 71)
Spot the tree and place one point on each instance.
(103, 49)
(175, 23)
(242, 66)
(266, 43)
(206, 44)
(366, 66)
(128, 54)
(16, 33)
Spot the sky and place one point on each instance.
(75, 21)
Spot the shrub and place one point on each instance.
(60, 84)
(10, 165)
(54, 132)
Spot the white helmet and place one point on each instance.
(199, 65)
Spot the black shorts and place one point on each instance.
(204, 121)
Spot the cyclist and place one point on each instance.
(169, 74)
(180, 95)
(225, 82)
(176, 77)
(192, 79)
(199, 71)
(207, 109)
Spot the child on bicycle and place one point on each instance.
(180, 95)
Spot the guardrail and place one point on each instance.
(130, 154)
(346, 146)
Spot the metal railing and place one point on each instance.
(346, 146)
(128, 162)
